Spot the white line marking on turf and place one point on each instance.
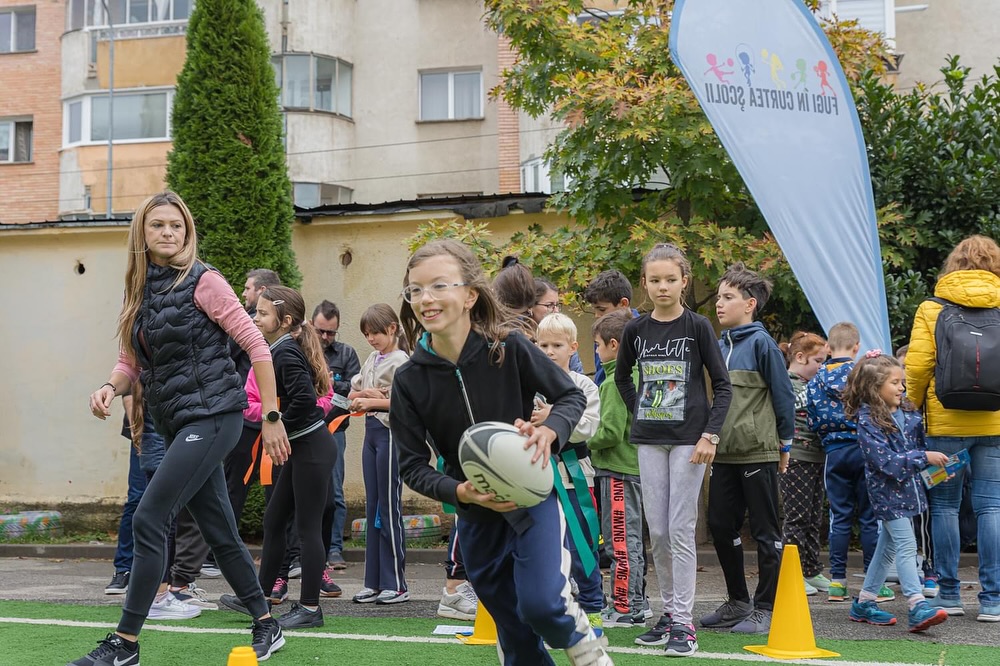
(432, 640)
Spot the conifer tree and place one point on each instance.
(228, 160)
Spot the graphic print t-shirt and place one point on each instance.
(670, 404)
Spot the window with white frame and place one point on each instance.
(15, 140)
(314, 82)
(538, 176)
(311, 195)
(138, 116)
(91, 13)
(455, 95)
(17, 29)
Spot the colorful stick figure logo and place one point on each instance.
(776, 68)
(744, 54)
(716, 68)
(800, 74)
(823, 72)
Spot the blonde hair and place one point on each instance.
(974, 253)
(138, 262)
(844, 335)
(289, 303)
(490, 318)
(557, 324)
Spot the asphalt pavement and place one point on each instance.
(77, 574)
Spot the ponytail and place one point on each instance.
(309, 341)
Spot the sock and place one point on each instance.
(866, 596)
(131, 646)
(914, 600)
(160, 596)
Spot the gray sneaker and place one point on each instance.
(758, 622)
(727, 615)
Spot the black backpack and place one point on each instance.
(967, 373)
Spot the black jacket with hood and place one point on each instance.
(428, 406)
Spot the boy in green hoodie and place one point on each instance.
(616, 466)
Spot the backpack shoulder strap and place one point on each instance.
(942, 301)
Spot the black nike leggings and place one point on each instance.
(190, 474)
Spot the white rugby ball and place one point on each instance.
(493, 458)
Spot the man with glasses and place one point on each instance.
(344, 364)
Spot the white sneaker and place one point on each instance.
(459, 606)
(192, 595)
(590, 652)
(810, 590)
(170, 608)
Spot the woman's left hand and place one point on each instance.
(360, 405)
(275, 441)
(540, 437)
(783, 462)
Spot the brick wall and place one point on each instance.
(31, 87)
(508, 129)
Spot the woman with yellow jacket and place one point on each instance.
(970, 277)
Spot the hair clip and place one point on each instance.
(277, 302)
(873, 353)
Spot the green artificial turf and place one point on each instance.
(49, 643)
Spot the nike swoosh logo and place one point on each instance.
(130, 660)
(191, 438)
(747, 475)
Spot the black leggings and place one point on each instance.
(190, 474)
(301, 490)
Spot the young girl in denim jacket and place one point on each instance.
(891, 437)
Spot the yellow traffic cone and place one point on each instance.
(791, 635)
(242, 656)
(484, 631)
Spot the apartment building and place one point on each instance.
(30, 112)
(374, 111)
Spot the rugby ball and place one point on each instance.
(493, 458)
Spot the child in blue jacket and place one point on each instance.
(844, 473)
(891, 439)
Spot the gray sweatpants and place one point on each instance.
(621, 525)
(671, 486)
(190, 474)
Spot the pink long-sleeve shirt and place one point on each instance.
(254, 410)
(218, 301)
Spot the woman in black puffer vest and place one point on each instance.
(173, 330)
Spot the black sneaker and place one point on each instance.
(659, 634)
(327, 588)
(118, 584)
(727, 615)
(683, 641)
(232, 602)
(300, 617)
(267, 638)
(111, 651)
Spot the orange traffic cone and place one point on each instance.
(791, 635)
(484, 631)
(242, 656)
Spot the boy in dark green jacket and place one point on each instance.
(616, 467)
(754, 447)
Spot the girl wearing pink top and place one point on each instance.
(176, 320)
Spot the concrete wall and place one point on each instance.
(62, 326)
(967, 28)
